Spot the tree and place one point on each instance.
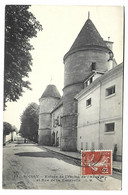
(30, 122)
(20, 27)
(7, 128)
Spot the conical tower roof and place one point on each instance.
(51, 91)
(88, 37)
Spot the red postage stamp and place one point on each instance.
(98, 162)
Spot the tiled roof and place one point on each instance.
(51, 91)
(88, 36)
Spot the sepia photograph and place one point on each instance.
(63, 97)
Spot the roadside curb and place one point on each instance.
(118, 171)
(61, 153)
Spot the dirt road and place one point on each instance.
(27, 166)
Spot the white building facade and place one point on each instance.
(100, 113)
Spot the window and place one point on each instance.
(86, 84)
(88, 102)
(110, 56)
(90, 80)
(93, 66)
(110, 91)
(109, 127)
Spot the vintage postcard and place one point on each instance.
(63, 97)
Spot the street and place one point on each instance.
(29, 166)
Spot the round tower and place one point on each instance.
(89, 52)
(48, 101)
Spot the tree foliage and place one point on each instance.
(30, 122)
(20, 27)
(7, 128)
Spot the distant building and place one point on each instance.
(10, 137)
(89, 116)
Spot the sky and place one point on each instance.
(61, 25)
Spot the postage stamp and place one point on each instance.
(97, 162)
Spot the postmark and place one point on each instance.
(96, 162)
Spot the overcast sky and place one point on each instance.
(61, 25)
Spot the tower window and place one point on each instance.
(110, 56)
(110, 90)
(93, 66)
(109, 127)
(88, 102)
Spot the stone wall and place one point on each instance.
(77, 68)
(46, 106)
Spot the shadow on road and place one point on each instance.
(49, 154)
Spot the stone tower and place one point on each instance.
(48, 101)
(89, 52)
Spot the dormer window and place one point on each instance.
(86, 84)
(91, 79)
